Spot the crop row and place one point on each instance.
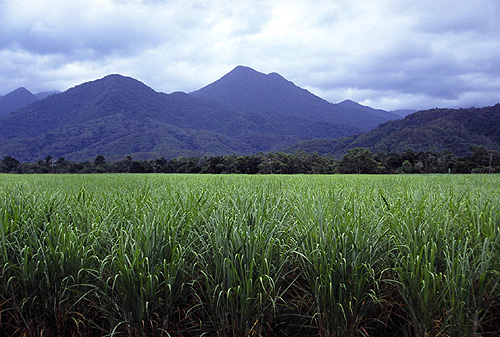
(189, 255)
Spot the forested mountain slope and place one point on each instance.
(119, 116)
(455, 130)
(246, 89)
(15, 100)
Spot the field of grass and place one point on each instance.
(232, 255)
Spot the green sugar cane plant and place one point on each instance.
(47, 275)
(10, 316)
(420, 234)
(146, 274)
(341, 262)
(473, 268)
(444, 269)
(242, 264)
(471, 285)
(421, 286)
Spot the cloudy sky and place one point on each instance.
(388, 54)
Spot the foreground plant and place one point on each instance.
(341, 261)
(242, 266)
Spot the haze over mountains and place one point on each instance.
(244, 112)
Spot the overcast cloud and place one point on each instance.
(387, 54)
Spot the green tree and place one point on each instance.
(393, 161)
(407, 167)
(62, 165)
(138, 167)
(9, 164)
(100, 160)
(100, 164)
(358, 160)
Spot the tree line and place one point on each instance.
(357, 160)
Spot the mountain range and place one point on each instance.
(118, 116)
(20, 98)
(454, 130)
(243, 112)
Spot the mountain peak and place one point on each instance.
(117, 78)
(242, 73)
(20, 93)
(21, 90)
(114, 83)
(350, 104)
(246, 89)
(276, 75)
(243, 79)
(241, 68)
(15, 100)
(251, 73)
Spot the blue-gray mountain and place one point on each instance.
(244, 112)
(454, 130)
(245, 89)
(118, 116)
(20, 98)
(15, 100)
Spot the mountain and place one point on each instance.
(45, 94)
(245, 89)
(454, 130)
(403, 112)
(15, 100)
(382, 114)
(118, 116)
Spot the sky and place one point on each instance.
(388, 54)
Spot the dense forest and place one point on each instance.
(455, 130)
(357, 160)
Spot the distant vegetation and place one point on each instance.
(453, 130)
(357, 160)
(205, 255)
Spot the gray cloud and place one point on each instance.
(388, 54)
